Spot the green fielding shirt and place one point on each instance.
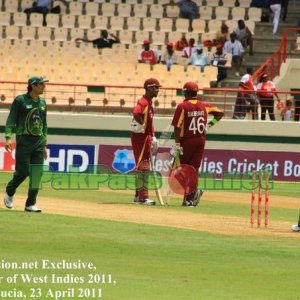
(27, 117)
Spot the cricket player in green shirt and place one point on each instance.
(28, 118)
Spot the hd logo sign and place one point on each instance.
(64, 158)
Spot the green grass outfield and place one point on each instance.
(149, 262)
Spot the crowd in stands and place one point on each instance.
(187, 45)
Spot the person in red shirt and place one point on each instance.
(190, 127)
(266, 92)
(248, 89)
(143, 140)
(147, 55)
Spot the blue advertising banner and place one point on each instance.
(64, 158)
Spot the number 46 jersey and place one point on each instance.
(191, 117)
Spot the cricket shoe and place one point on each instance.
(33, 208)
(149, 202)
(296, 228)
(187, 203)
(8, 201)
(145, 202)
(197, 197)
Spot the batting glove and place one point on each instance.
(154, 145)
(137, 127)
(176, 150)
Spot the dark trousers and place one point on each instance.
(222, 74)
(284, 6)
(29, 151)
(267, 104)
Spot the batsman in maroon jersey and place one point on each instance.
(143, 140)
(190, 128)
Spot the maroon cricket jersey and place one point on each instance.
(191, 117)
(144, 107)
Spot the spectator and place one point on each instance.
(241, 106)
(287, 114)
(199, 58)
(276, 9)
(188, 9)
(219, 60)
(147, 55)
(284, 6)
(181, 44)
(103, 41)
(248, 89)
(235, 47)
(44, 7)
(222, 35)
(190, 49)
(266, 91)
(244, 35)
(260, 3)
(169, 57)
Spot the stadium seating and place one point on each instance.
(133, 22)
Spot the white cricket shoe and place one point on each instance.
(295, 228)
(33, 208)
(149, 202)
(8, 201)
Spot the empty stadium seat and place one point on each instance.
(101, 22)
(117, 23)
(126, 36)
(44, 33)
(198, 25)
(214, 25)
(166, 24)
(84, 21)
(205, 12)
(36, 20)
(68, 21)
(254, 14)
(92, 9)
(182, 25)
(229, 3)
(149, 24)
(245, 3)
(158, 38)
(140, 10)
(172, 11)
(12, 32)
(133, 23)
(60, 34)
(108, 9)
(75, 8)
(124, 10)
(11, 6)
(156, 11)
(213, 3)
(238, 13)
(4, 18)
(53, 20)
(222, 13)
(28, 33)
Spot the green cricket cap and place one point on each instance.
(36, 79)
